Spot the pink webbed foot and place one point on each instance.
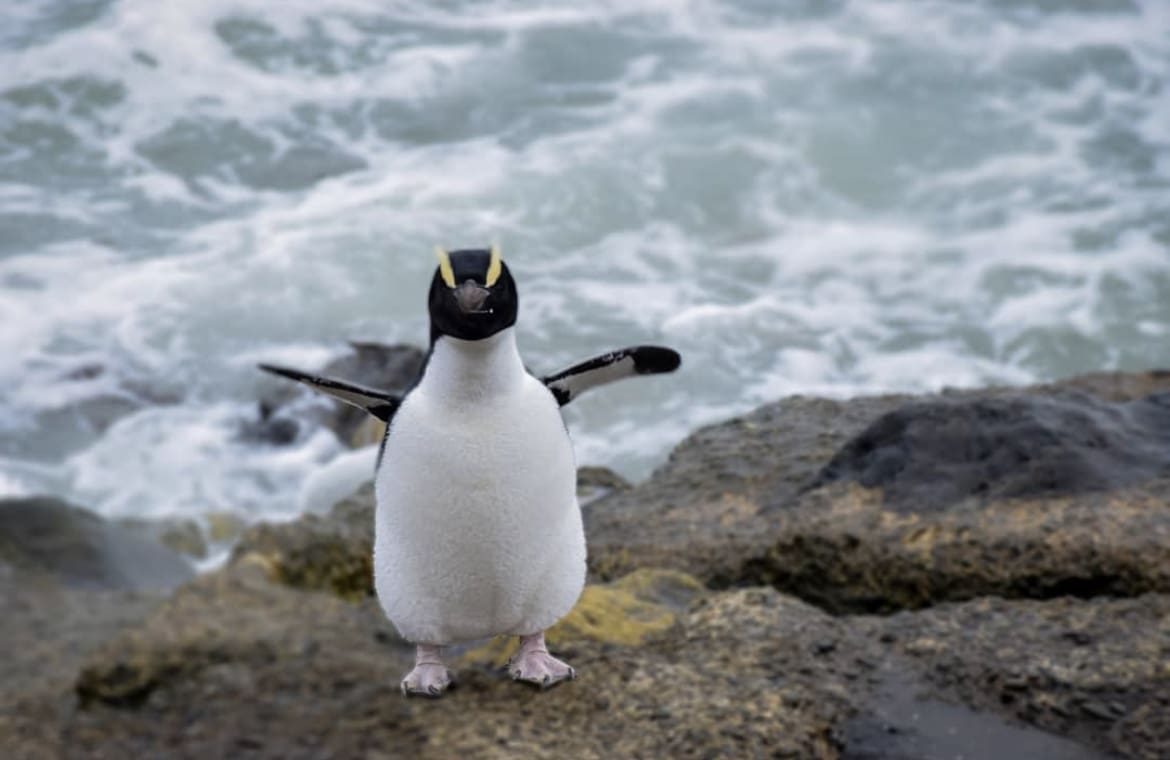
(533, 664)
(430, 677)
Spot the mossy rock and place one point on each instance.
(630, 612)
(332, 553)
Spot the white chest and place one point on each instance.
(478, 530)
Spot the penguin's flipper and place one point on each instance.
(378, 403)
(570, 383)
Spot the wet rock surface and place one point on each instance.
(729, 613)
(1093, 671)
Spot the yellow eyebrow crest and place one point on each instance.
(445, 270)
(495, 266)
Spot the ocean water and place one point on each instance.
(838, 197)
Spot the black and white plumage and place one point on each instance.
(566, 385)
(477, 528)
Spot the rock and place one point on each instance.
(702, 511)
(594, 483)
(1093, 671)
(841, 547)
(730, 676)
(48, 630)
(224, 527)
(283, 409)
(931, 454)
(223, 622)
(177, 534)
(888, 503)
(631, 611)
(331, 553)
(44, 535)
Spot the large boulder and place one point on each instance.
(702, 512)
(889, 503)
(46, 536)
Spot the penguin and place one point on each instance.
(477, 528)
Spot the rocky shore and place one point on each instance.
(978, 573)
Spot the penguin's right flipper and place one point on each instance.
(378, 403)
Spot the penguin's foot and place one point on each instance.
(533, 664)
(430, 677)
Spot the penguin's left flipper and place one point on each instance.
(378, 403)
(570, 383)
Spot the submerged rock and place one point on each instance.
(51, 537)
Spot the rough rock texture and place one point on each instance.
(666, 669)
(1097, 672)
(385, 367)
(934, 453)
(332, 553)
(673, 663)
(844, 549)
(744, 673)
(702, 511)
(76, 546)
(1004, 491)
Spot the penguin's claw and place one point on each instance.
(426, 680)
(533, 664)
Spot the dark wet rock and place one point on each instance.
(1091, 671)
(931, 454)
(1036, 492)
(46, 536)
(284, 407)
(902, 721)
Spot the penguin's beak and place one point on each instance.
(470, 297)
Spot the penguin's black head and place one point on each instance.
(473, 295)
